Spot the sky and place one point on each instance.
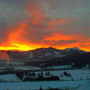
(30, 24)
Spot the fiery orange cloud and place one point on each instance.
(36, 12)
(60, 36)
(23, 36)
(16, 40)
(62, 41)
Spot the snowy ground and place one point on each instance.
(85, 86)
(9, 78)
(75, 74)
(69, 85)
(79, 80)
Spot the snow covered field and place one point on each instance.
(74, 74)
(85, 86)
(9, 78)
(78, 80)
(69, 85)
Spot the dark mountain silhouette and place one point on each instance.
(78, 60)
(50, 56)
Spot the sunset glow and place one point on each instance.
(43, 28)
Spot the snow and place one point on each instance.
(9, 77)
(79, 80)
(48, 54)
(85, 86)
(26, 68)
(44, 85)
(59, 67)
(75, 74)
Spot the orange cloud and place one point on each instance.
(62, 41)
(39, 31)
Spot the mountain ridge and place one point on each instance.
(50, 56)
